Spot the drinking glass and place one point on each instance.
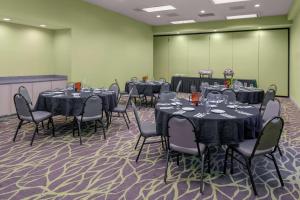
(251, 85)
(207, 107)
(225, 98)
(245, 84)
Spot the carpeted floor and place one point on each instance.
(59, 168)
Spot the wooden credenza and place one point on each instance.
(34, 84)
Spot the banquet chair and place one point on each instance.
(272, 110)
(121, 93)
(148, 92)
(178, 86)
(264, 145)
(167, 96)
(122, 109)
(147, 130)
(182, 139)
(135, 93)
(91, 111)
(270, 95)
(165, 87)
(115, 87)
(25, 114)
(24, 92)
(274, 87)
(231, 95)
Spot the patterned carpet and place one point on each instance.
(59, 168)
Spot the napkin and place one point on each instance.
(166, 108)
(180, 112)
(244, 113)
(200, 115)
(163, 104)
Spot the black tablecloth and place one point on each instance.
(244, 95)
(214, 128)
(188, 81)
(69, 105)
(142, 87)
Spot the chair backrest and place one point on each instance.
(231, 95)
(178, 86)
(92, 107)
(128, 99)
(134, 78)
(132, 87)
(24, 92)
(137, 117)
(115, 87)
(181, 132)
(165, 87)
(272, 110)
(270, 135)
(270, 95)
(22, 106)
(162, 80)
(165, 96)
(274, 87)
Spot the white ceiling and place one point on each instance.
(190, 9)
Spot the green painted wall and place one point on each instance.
(104, 44)
(25, 50)
(295, 59)
(260, 55)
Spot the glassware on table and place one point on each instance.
(207, 107)
(225, 98)
(195, 98)
(216, 84)
(245, 84)
(251, 85)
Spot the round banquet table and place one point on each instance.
(69, 105)
(143, 87)
(215, 128)
(244, 94)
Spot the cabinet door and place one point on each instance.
(38, 88)
(14, 90)
(58, 84)
(5, 99)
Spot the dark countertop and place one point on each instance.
(31, 79)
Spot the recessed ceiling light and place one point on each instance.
(256, 5)
(160, 8)
(158, 16)
(241, 16)
(43, 25)
(183, 22)
(202, 11)
(6, 19)
(227, 1)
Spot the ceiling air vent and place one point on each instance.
(207, 15)
(237, 8)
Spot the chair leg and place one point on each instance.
(202, 172)
(162, 142)
(208, 160)
(102, 124)
(53, 127)
(167, 166)
(36, 131)
(137, 143)
(177, 159)
(225, 161)
(43, 125)
(277, 170)
(231, 162)
(79, 132)
(18, 128)
(137, 158)
(127, 117)
(125, 120)
(250, 175)
(74, 123)
(95, 126)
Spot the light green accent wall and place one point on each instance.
(295, 60)
(227, 25)
(261, 55)
(104, 45)
(25, 50)
(161, 53)
(62, 52)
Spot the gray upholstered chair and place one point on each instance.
(25, 114)
(165, 87)
(122, 109)
(148, 92)
(272, 110)
(91, 112)
(135, 93)
(24, 92)
(178, 86)
(273, 87)
(182, 139)
(265, 145)
(147, 130)
(270, 95)
(167, 96)
(231, 95)
(115, 87)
